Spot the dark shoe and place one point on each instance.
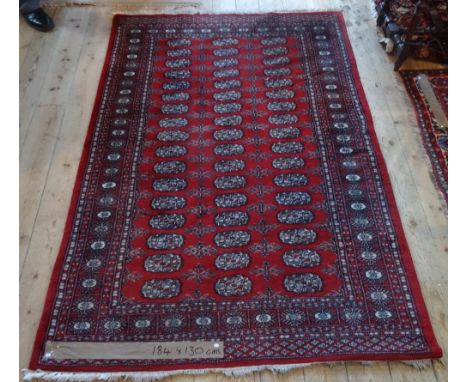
(39, 20)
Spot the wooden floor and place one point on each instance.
(58, 80)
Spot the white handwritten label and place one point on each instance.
(134, 350)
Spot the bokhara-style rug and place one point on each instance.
(428, 90)
(232, 208)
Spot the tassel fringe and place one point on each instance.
(58, 376)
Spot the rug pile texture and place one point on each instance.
(232, 209)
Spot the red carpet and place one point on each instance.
(434, 132)
(231, 191)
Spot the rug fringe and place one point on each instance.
(29, 375)
(58, 376)
(198, 9)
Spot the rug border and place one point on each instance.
(427, 331)
(396, 217)
(438, 184)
